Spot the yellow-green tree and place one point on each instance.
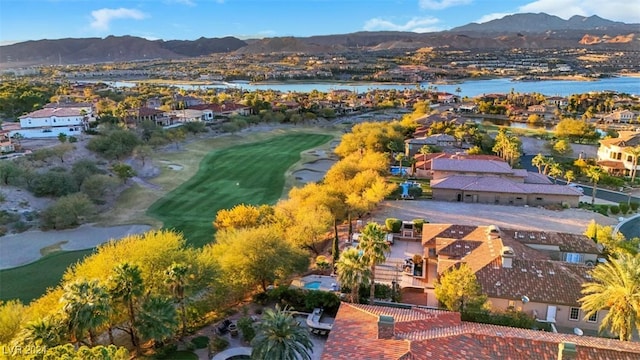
(458, 289)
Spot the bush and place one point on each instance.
(624, 208)
(166, 351)
(261, 298)
(329, 301)
(415, 191)
(418, 224)
(634, 206)
(67, 212)
(73, 139)
(246, 328)
(509, 318)
(602, 209)
(218, 344)
(393, 225)
(200, 342)
(615, 210)
(53, 183)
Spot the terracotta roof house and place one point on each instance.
(6, 144)
(614, 154)
(548, 268)
(412, 146)
(424, 162)
(382, 332)
(495, 182)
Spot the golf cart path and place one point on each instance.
(24, 248)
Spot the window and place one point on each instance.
(593, 318)
(573, 258)
(539, 198)
(512, 304)
(574, 314)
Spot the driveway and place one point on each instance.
(515, 217)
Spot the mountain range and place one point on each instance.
(533, 31)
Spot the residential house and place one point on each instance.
(557, 101)
(223, 110)
(424, 162)
(50, 122)
(412, 146)
(495, 182)
(158, 117)
(385, 332)
(6, 143)
(620, 116)
(540, 273)
(614, 154)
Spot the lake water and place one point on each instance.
(469, 88)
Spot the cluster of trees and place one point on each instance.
(20, 96)
(508, 147)
(124, 287)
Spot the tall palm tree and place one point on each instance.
(616, 287)
(372, 243)
(127, 287)
(425, 150)
(157, 319)
(176, 280)
(86, 306)
(352, 271)
(539, 161)
(280, 337)
(399, 157)
(594, 173)
(635, 153)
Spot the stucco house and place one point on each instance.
(52, 121)
(411, 333)
(545, 268)
(6, 144)
(620, 116)
(495, 182)
(614, 154)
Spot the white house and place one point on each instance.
(620, 116)
(615, 154)
(50, 122)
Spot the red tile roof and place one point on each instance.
(436, 334)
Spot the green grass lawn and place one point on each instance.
(250, 173)
(30, 281)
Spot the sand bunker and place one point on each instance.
(175, 167)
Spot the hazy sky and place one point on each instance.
(22, 20)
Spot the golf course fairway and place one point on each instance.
(249, 173)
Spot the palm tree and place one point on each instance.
(594, 173)
(280, 337)
(399, 157)
(352, 271)
(635, 153)
(42, 332)
(176, 280)
(372, 243)
(157, 319)
(86, 306)
(539, 161)
(555, 171)
(425, 150)
(616, 287)
(570, 176)
(127, 287)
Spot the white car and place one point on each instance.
(576, 186)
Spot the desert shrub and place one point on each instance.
(73, 139)
(393, 225)
(7, 217)
(624, 208)
(615, 209)
(21, 226)
(2, 198)
(67, 212)
(53, 183)
(634, 206)
(602, 209)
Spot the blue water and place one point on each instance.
(312, 285)
(469, 88)
(395, 170)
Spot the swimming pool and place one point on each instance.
(313, 285)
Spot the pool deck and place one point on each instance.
(236, 351)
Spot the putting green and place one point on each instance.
(250, 173)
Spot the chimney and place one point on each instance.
(567, 351)
(386, 327)
(507, 257)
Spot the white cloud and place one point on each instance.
(491, 16)
(182, 2)
(103, 17)
(419, 25)
(442, 4)
(617, 10)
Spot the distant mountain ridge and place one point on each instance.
(535, 31)
(541, 22)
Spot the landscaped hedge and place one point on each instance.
(393, 225)
(418, 223)
(624, 208)
(615, 210)
(634, 206)
(303, 300)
